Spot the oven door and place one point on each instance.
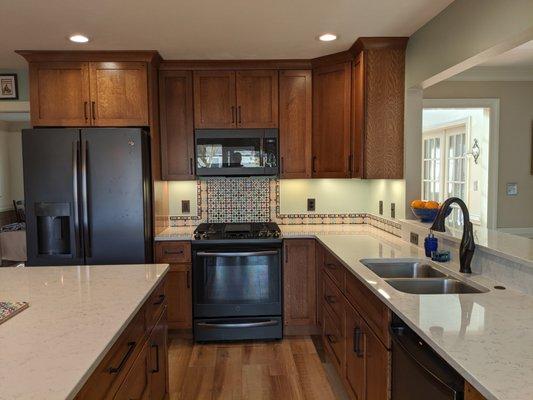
(243, 152)
(237, 283)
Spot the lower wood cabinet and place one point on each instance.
(136, 366)
(299, 282)
(471, 393)
(178, 282)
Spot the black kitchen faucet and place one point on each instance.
(466, 250)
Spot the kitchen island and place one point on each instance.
(76, 321)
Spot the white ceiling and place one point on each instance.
(206, 29)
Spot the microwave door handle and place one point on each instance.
(237, 254)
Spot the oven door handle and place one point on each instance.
(238, 325)
(237, 254)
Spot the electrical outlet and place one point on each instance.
(381, 207)
(185, 206)
(414, 238)
(311, 204)
(392, 210)
(512, 189)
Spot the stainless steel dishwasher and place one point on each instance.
(418, 372)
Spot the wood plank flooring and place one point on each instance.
(287, 369)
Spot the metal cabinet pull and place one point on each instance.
(314, 164)
(282, 165)
(331, 266)
(330, 299)
(238, 254)
(191, 170)
(161, 300)
(357, 335)
(239, 114)
(85, 113)
(232, 114)
(237, 325)
(93, 109)
(170, 252)
(332, 338)
(116, 370)
(156, 347)
(350, 164)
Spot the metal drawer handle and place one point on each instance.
(357, 335)
(330, 299)
(237, 254)
(331, 266)
(116, 370)
(173, 251)
(161, 300)
(238, 324)
(156, 369)
(332, 339)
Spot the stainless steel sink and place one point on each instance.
(433, 286)
(402, 268)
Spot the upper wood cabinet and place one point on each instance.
(176, 121)
(214, 99)
(378, 75)
(331, 121)
(295, 123)
(299, 282)
(59, 93)
(65, 93)
(242, 99)
(119, 93)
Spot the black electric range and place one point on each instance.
(237, 291)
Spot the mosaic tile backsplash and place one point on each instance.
(238, 200)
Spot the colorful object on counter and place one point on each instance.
(441, 256)
(426, 211)
(431, 244)
(9, 309)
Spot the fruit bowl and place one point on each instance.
(428, 214)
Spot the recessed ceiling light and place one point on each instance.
(78, 38)
(327, 37)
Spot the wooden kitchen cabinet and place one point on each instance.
(178, 283)
(257, 98)
(176, 122)
(158, 360)
(295, 123)
(378, 74)
(59, 94)
(136, 385)
(236, 99)
(119, 93)
(331, 121)
(76, 93)
(299, 283)
(471, 393)
(214, 99)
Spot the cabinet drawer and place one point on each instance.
(173, 252)
(373, 311)
(335, 269)
(105, 380)
(334, 339)
(332, 298)
(155, 305)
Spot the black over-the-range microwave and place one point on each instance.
(236, 152)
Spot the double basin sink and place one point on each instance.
(418, 277)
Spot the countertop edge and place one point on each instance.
(79, 385)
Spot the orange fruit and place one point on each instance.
(432, 205)
(418, 204)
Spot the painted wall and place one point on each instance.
(11, 180)
(516, 119)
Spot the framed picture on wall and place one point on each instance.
(8, 87)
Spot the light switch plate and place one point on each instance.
(185, 206)
(311, 203)
(392, 210)
(381, 207)
(512, 189)
(413, 238)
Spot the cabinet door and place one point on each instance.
(137, 383)
(119, 93)
(179, 294)
(331, 121)
(377, 360)
(358, 116)
(295, 123)
(176, 119)
(59, 94)
(158, 358)
(257, 99)
(471, 393)
(299, 277)
(355, 372)
(214, 99)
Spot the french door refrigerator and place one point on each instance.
(87, 195)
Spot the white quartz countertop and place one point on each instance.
(486, 337)
(76, 313)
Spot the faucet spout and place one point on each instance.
(467, 248)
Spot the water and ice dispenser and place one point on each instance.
(53, 228)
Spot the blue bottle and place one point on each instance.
(431, 244)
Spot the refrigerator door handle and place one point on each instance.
(86, 235)
(75, 172)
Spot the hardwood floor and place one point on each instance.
(293, 368)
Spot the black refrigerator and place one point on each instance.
(87, 195)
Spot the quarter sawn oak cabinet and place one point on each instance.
(236, 99)
(299, 283)
(331, 121)
(176, 120)
(295, 123)
(65, 93)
